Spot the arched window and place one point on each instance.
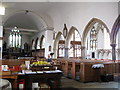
(75, 45)
(98, 38)
(93, 38)
(42, 42)
(33, 45)
(38, 44)
(15, 38)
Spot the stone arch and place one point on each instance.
(72, 29)
(55, 47)
(34, 16)
(33, 45)
(114, 32)
(67, 41)
(36, 41)
(115, 29)
(86, 31)
(41, 41)
(89, 25)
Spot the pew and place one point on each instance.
(84, 69)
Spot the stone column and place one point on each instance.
(83, 52)
(113, 52)
(66, 53)
(119, 43)
(48, 39)
(1, 40)
(1, 36)
(118, 54)
(55, 53)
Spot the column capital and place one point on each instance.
(55, 48)
(113, 45)
(82, 47)
(66, 48)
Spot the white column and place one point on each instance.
(55, 53)
(66, 53)
(96, 54)
(1, 41)
(48, 42)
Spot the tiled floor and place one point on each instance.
(70, 83)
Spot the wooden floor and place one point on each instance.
(76, 85)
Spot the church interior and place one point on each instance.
(51, 45)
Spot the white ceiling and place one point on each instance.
(33, 6)
(25, 20)
(20, 14)
(61, 1)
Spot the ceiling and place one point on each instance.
(17, 15)
(33, 6)
(61, 1)
(21, 15)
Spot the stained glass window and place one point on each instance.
(15, 38)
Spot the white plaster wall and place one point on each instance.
(25, 38)
(79, 14)
(49, 39)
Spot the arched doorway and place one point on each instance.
(96, 36)
(56, 43)
(73, 43)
